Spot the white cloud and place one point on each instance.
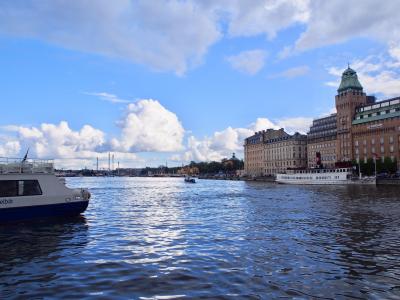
(50, 140)
(9, 148)
(169, 36)
(297, 124)
(249, 62)
(69, 148)
(293, 72)
(394, 51)
(222, 143)
(333, 22)
(175, 35)
(148, 126)
(108, 97)
(249, 18)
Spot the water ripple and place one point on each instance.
(159, 238)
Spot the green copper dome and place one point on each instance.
(349, 81)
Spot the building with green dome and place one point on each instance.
(361, 129)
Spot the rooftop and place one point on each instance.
(349, 81)
(378, 111)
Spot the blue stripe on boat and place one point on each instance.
(42, 211)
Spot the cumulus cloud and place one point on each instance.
(333, 22)
(394, 51)
(108, 97)
(149, 126)
(378, 74)
(222, 143)
(59, 140)
(175, 35)
(9, 148)
(170, 36)
(297, 124)
(249, 62)
(146, 126)
(70, 148)
(249, 18)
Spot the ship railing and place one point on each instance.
(28, 166)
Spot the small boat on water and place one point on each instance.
(323, 176)
(29, 189)
(190, 179)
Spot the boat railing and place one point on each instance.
(319, 171)
(27, 166)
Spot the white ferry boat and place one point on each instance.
(322, 176)
(29, 189)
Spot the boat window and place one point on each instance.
(8, 188)
(31, 188)
(13, 188)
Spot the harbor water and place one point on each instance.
(162, 238)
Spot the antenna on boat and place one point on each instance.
(25, 157)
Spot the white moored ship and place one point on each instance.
(29, 189)
(322, 176)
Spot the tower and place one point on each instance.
(350, 95)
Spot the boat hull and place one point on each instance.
(12, 214)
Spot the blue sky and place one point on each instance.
(215, 71)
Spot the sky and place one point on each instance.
(168, 82)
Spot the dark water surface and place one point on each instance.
(159, 238)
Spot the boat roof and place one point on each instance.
(26, 166)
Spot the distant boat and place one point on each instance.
(322, 176)
(190, 180)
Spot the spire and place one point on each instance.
(349, 81)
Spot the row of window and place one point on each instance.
(382, 140)
(378, 113)
(391, 148)
(318, 146)
(365, 159)
(15, 188)
(379, 105)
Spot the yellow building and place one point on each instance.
(253, 154)
(272, 151)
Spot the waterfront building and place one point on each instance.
(376, 131)
(361, 130)
(271, 151)
(284, 152)
(253, 154)
(366, 129)
(350, 96)
(321, 142)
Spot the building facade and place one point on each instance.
(376, 131)
(253, 154)
(285, 152)
(321, 142)
(279, 151)
(365, 129)
(362, 129)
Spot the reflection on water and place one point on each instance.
(159, 237)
